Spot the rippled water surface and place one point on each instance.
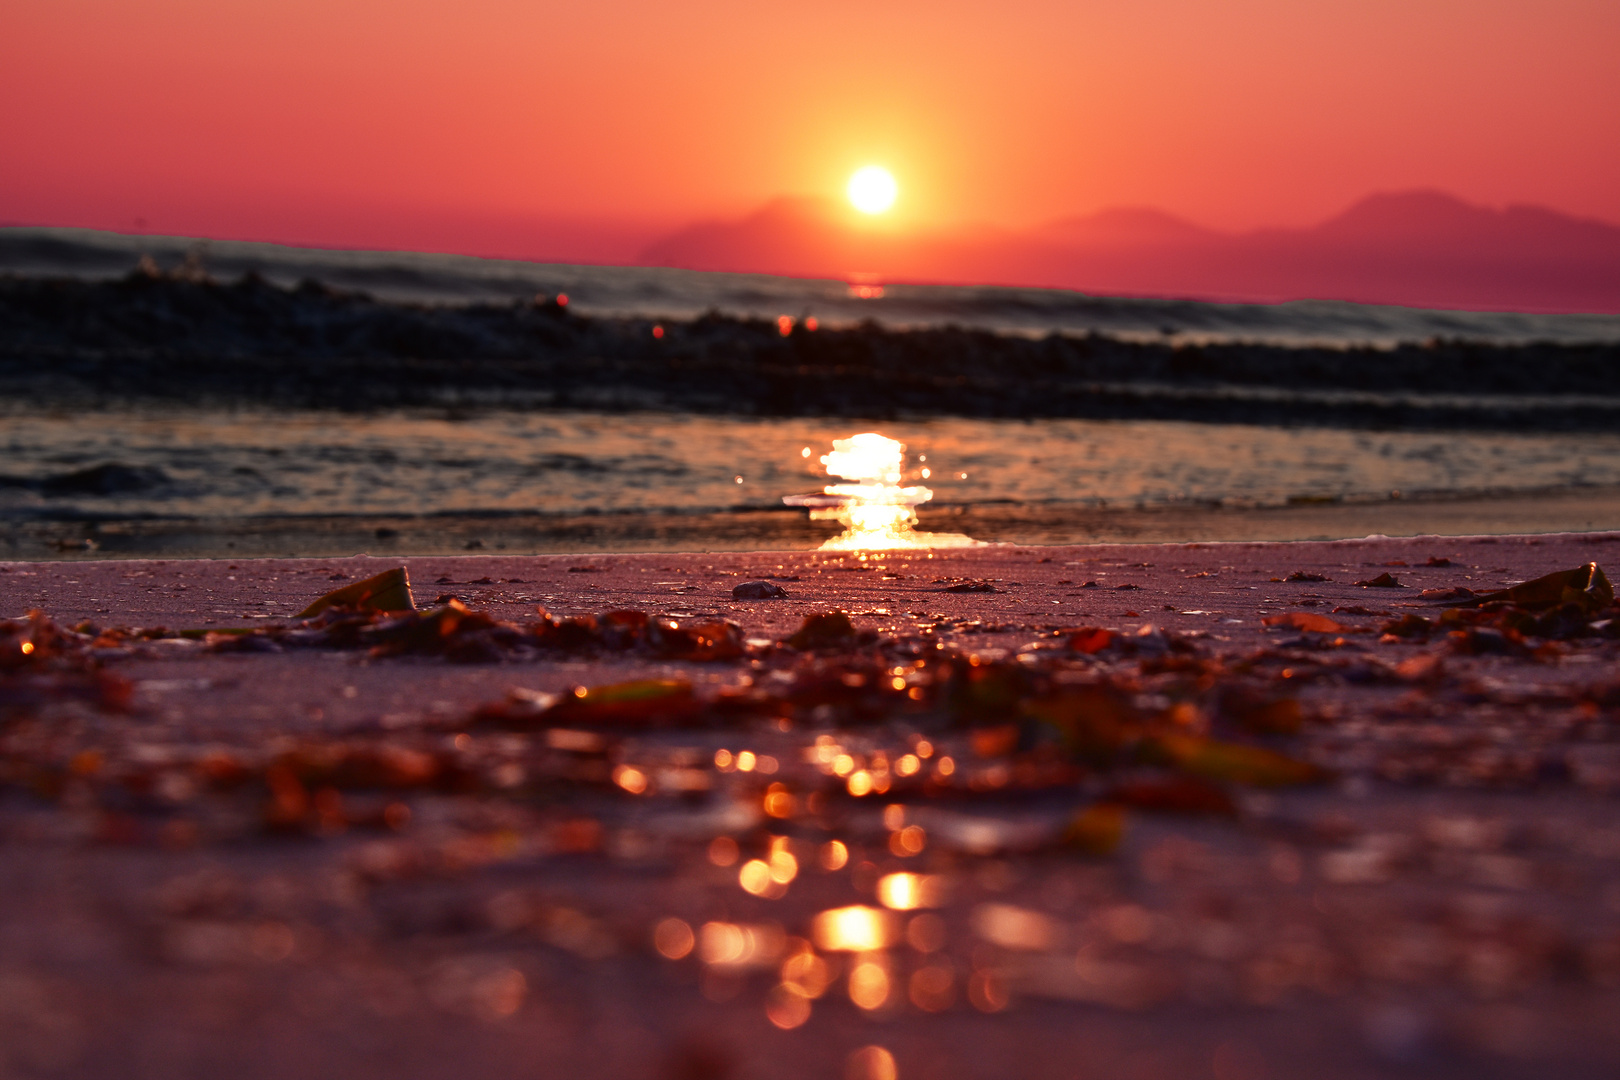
(230, 464)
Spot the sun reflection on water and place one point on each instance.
(877, 511)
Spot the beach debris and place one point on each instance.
(824, 630)
(639, 703)
(453, 631)
(1262, 712)
(1310, 622)
(1092, 639)
(1238, 763)
(1306, 575)
(901, 770)
(1564, 606)
(1586, 587)
(42, 662)
(387, 591)
(971, 587)
(758, 590)
(1457, 592)
(1098, 829)
(1386, 580)
(1409, 626)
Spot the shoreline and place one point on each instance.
(404, 535)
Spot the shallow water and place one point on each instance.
(235, 464)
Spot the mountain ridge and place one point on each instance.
(1416, 247)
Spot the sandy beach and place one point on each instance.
(1416, 869)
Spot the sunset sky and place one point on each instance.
(436, 124)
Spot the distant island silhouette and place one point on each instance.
(1416, 248)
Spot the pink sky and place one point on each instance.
(458, 126)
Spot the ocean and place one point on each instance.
(206, 477)
(660, 292)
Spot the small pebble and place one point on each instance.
(758, 590)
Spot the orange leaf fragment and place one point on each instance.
(1586, 586)
(1310, 621)
(1091, 639)
(387, 591)
(1236, 763)
(1096, 830)
(998, 741)
(637, 703)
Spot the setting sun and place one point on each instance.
(872, 189)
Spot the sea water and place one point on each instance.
(662, 292)
(221, 464)
(166, 463)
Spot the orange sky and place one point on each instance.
(319, 120)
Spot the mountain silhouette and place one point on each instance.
(1415, 248)
(1127, 226)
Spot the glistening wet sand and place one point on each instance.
(409, 535)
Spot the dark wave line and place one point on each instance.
(155, 337)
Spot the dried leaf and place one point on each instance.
(1091, 639)
(1264, 715)
(387, 591)
(1309, 621)
(1487, 641)
(1409, 626)
(637, 703)
(1423, 668)
(704, 642)
(998, 741)
(1458, 593)
(1386, 580)
(1586, 586)
(1096, 830)
(1094, 721)
(1236, 763)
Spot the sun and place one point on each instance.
(872, 189)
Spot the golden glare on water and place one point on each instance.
(876, 511)
(872, 189)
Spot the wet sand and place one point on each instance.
(1447, 904)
